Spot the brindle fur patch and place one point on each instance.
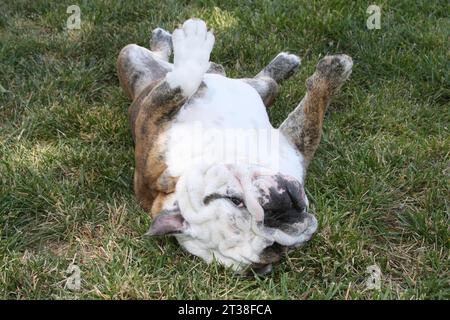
(154, 116)
(149, 117)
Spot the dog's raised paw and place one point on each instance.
(282, 66)
(336, 68)
(192, 45)
(331, 73)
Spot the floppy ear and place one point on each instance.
(167, 222)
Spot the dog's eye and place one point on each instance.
(237, 202)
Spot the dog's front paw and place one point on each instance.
(335, 68)
(192, 46)
(331, 71)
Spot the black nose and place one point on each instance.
(297, 194)
(284, 203)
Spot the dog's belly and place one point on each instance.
(227, 122)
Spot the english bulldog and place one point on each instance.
(209, 166)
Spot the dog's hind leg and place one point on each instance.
(303, 126)
(139, 68)
(266, 82)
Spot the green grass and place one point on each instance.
(379, 183)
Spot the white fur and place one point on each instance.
(192, 46)
(227, 105)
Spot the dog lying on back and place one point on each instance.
(209, 166)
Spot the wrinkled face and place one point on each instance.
(239, 215)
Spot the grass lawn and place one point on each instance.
(379, 183)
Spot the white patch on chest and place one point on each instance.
(227, 122)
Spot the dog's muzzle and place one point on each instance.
(286, 219)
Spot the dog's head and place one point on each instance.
(239, 215)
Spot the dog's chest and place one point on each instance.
(225, 103)
(227, 122)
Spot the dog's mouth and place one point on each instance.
(288, 230)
